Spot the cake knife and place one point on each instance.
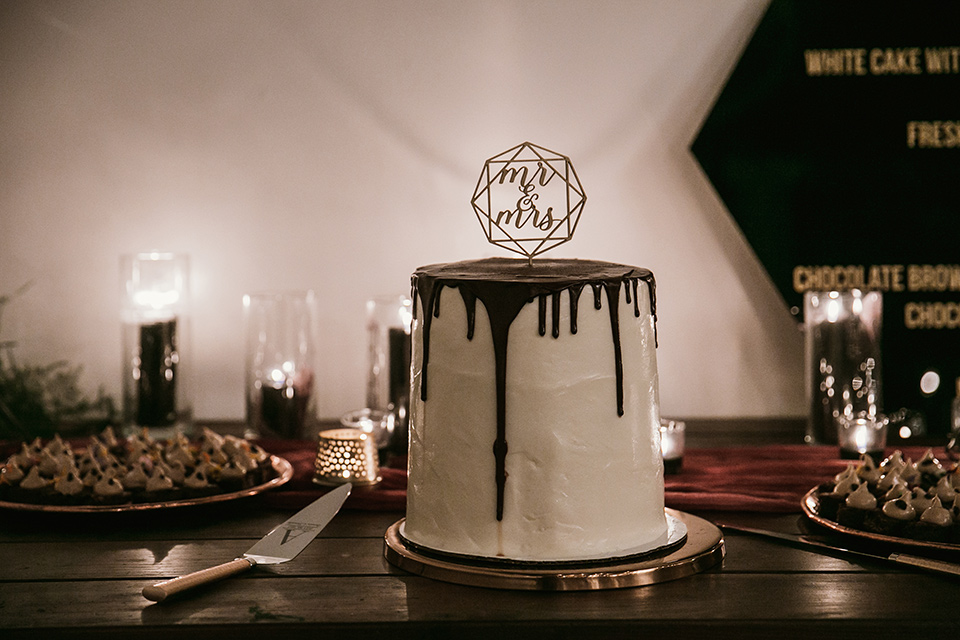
(904, 559)
(283, 543)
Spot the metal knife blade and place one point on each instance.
(904, 559)
(283, 543)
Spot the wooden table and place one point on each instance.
(82, 575)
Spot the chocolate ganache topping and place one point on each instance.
(505, 286)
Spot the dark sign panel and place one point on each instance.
(835, 145)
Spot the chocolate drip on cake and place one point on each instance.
(613, 300)
(505, 286)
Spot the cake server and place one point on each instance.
(903, 559)
(283, 543)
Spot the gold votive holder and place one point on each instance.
(346, 455)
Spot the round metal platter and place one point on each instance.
(811, 509)
(701, 548)
(282, 468)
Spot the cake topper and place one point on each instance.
(528, 199)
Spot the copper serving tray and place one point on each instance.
(282, 467)
(811, 508)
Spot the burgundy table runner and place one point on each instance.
(771, 479)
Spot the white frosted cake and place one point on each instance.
(534, 425)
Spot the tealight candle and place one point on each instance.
(672, 441)
(862, 435)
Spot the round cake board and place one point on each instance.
(701, 549)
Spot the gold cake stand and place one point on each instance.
(700, 549)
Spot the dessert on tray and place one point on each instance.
(898, 498)
(137, 469)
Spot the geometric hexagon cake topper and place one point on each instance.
(528, 199)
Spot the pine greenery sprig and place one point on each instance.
(46, 399)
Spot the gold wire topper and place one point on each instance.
(528, 199)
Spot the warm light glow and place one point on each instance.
(861, 438)
(863, 434)
(279, 375)
(406, 316)
(833, 307)
(929, 383)
(672, 439)
(857, 304)
(156, 299)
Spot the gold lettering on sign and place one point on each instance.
(880, 61)
(836, 62)
(931, 315)
(942, 59)
(878, 277)
(828, 278)
(938, 278)
(886, 277)
(895, 61)
(938, 134)
(928, 277)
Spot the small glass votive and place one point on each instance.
(281, 340)
(863, 434)
(388, 375)
(346, 455)
(379, 424)
(842, 358)
(672, 443)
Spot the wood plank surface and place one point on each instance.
(242, 520)
(90, 560)
(872, 601)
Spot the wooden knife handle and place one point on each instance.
(162, 590)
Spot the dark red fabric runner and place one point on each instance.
(770, 479)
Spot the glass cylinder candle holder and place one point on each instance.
(672, 444)
(280, 330)
(388, 373)
(861, 435)
(155, 337)
(842, 359)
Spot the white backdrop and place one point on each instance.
(335, 145)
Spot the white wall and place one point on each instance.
(336, 145)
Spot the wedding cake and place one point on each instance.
(534, 423)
